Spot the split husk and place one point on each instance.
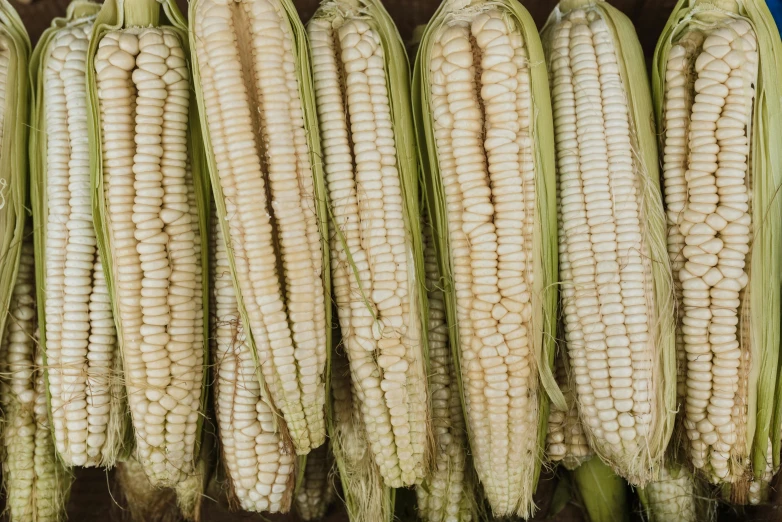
(139, 500)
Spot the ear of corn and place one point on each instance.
(447, 493)
(35, 482)
(252, 80)
(14, 87)
(78, 339)
(256, 450)
(602, 492)
(565, 439)
(362, 96)
(315, 494)
(486, 138)
(616, 282)
(365, 495)
(716, 81)
(676, 496)
(150, 216)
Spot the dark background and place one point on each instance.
(95, 496)
(649, 16)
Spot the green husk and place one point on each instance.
(365, 495)
(760, 322)
(677, 496)
(415, 40)
(372, 12)
(603, 493)
(639, 465)
(116, 15)
(563, 494)
(35, 482)
(306, 89)
(545, 244)
(13, 144)
(79, 13)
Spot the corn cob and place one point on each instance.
(364, 492)
(78, 338)
(675, 497)
(257, 114)
(316, 491)
(14, 54)
(35, 482)
(565, 439)
(150, 222)
(616, 283)
(257, 454)
(361, 91)
(715, 85)
(489, 171)
(447, 492)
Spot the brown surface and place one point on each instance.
(92, 497)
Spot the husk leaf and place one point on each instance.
(603, 493)
(13, 144)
